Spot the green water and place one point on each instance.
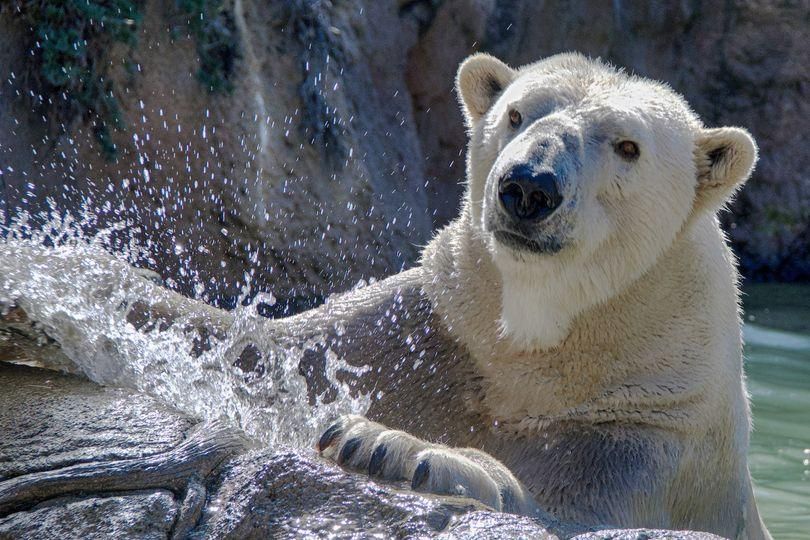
(777, 349)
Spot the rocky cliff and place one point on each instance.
(301, 146)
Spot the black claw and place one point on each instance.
(329, 436)
(375, 466)
(421, 474)
(348, 450)
(508, 500)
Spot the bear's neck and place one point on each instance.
(476, 299)
(682, 313)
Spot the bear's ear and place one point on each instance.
(481, 78)
(724, 158)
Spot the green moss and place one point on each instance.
(69, 40)
(212, 26)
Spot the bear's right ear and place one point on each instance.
(481, 78)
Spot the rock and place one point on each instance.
(268, 492)
(645, 534)
(308, 173)
(49, 421)
(147, 516)
(118, 462)
(486, 525)
(79, 460)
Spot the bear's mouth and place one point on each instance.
(519, 242)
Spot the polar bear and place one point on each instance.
(571, 343)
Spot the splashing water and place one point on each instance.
(79, 295)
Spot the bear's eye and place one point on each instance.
(627, 150)
(515, 118)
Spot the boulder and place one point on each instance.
(80, 460)
(148, 515)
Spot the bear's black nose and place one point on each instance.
(529, 196)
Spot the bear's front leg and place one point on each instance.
(359, 444)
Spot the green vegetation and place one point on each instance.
(212, 26)
(68, 40)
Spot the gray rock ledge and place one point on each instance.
(78, 460)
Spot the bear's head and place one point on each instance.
(579, 178)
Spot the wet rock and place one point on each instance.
(146, 516)
(291, 495)
(646, 534)
(486, 525)
(49, 421)
(78, 460)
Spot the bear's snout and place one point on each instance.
(528, 196)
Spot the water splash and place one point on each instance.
(80, 295)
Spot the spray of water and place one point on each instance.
(80, 295)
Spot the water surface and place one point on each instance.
(777, 353)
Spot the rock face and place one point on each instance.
(78, 460)
(339, 145)
(307, 172)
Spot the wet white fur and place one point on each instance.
(633, 324)
(463, 472)
(636, 320)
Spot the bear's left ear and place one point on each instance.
(481, 78)
(725, 158)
